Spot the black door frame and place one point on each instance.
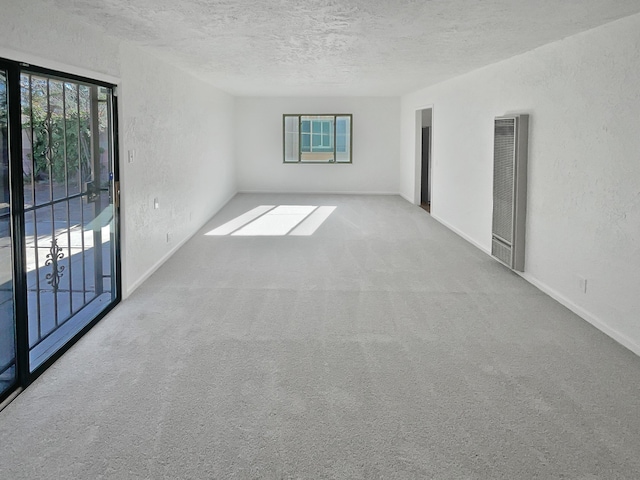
(24, 377)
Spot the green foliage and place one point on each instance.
(53, 136)
(56, 119)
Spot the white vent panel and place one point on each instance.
(503, 157)
(509, 189)
(501, 251)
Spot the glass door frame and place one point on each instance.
(13, 69)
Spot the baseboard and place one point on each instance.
(173, 250)
(10, 398)
(598, 323)
(406, 198)
(459, 233)
(144, 277)
(584, 314)
(451, 227)
(318, 192)
(157, 265)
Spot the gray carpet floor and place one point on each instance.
(383, 346)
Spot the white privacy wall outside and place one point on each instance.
(376, 146)
(180, 128)
(583, 219)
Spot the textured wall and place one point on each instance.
(584, 166)
(375, 146)
(181, 131)
(359, 47)
(34, 32)
(180, 128)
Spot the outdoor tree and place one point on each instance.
(55, 119)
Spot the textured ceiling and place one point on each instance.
(349, 47)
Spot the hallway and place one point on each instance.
(379, 345)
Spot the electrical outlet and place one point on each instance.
(582, 284)
(156, 203)
(131, 156)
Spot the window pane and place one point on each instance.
(291, 139)
(343, 139)
(319, 138)
(306, 142)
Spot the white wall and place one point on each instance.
(583, 95)
(27, 35)
(376, 146)
(181, 132)
(180, 128)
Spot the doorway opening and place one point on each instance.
(426, 120)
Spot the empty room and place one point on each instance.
(320, 240)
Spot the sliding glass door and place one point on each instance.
(7, 319)
(64, 218)
(69, 211)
